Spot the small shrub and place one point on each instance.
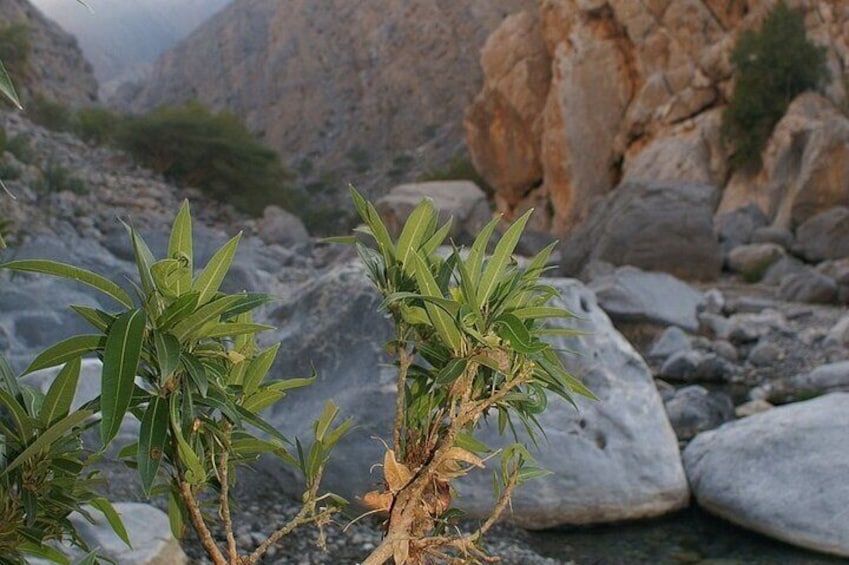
(9, 171)
(469, 343)
(214, 152)
(58, 178)
(49, 114)
(773, 66)
(21, 147)
(95, 125)
(204, 386)
(15, 48)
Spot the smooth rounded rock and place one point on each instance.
(781, 473)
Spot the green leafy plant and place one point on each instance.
(212, 151)
(469, 345)
(58, 178)
(52, 115)
(96, 125)
(21, 147)
(43, 477)
(202, 385)
(773, 66)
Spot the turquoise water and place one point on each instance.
(687, 537)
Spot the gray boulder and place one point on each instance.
(672, 340)
(753, 260)
(781, 473)
(694, 409)
(785, 266)
(738, 226)
(773, 234)
(656, 226)
(824, 236)
(632, 295)
(808, 286)
(832, 377)
(281, 227)
(600, 473)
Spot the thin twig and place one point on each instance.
(202, 530)
(301, 518)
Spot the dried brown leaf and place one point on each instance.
(397, 475)
(401, 551)
(377, 500)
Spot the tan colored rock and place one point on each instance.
(806, 164)
(630, 78)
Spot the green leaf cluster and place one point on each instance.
(773, 65)
(182, 357)
(474, 323)
(42, 468)
(212, 151)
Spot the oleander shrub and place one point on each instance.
(772, 66)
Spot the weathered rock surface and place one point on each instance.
(825, 236)
(781, 473)
(56, 68)
(632, 295)
(808, 285)
(346, 92)
(633, 92)
(804, 162)
(282, 227)
(656, 226)
(753, 260)
(594, 447)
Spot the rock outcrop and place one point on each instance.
(55, 67)
(580, 94)
(345, 91)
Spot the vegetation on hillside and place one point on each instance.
(773, 65)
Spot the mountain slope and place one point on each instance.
(122, 38)
(347, 91)
(54, 67)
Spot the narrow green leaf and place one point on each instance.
(232, 329)
(60, 395)
(180, 247)
(144, 260)
(44, 552)
(166, 274)
(450, 372)
(248, 301)
(112, 518)
(196, 372)
(538, 312)
(325, 420)
(370, 216)
(343, 239)
(24, 425)
(413, 232)
(152, 436)
(120, 364)
(437, 239)
(442, 322)
(8, 381)
(48, 437)
(194, 322)
(189, 462)
(97, 318)
(474, 261)
(57, 269)
(177, 311)
(209, 280)
(176, 515)
(7, 88)
(167, 355)
(501, 257)
(262, 399)
(284, 385)
(89, 558)
(65, 351)
(259, 423)
(258, 369)
(468, 442)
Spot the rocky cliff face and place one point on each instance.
(55, 67)
(346, 91)
(581, 94)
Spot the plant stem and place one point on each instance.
(404, 361)
(224, 479)
(200, 525)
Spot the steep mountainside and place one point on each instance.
(122, 39)
(347, 91)
(55, 67)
